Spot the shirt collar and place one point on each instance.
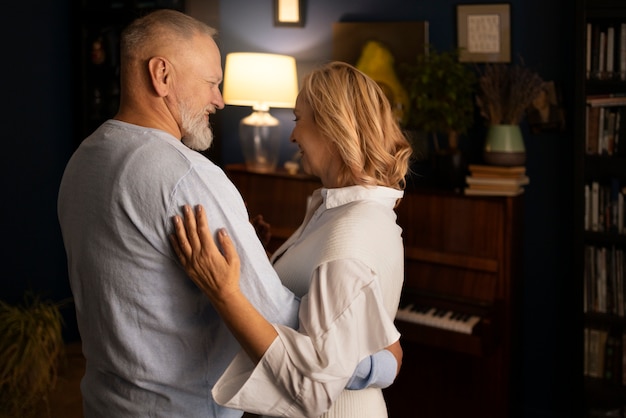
(343, 195)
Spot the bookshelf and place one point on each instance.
(599, 202)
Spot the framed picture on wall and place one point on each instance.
(484, 32)
(289, 13)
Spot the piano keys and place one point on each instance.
(438, 318)
(462, 254)
(452, 324)
(462, 258)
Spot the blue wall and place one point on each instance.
(248, 26)
(37, 140)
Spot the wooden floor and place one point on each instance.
(65, 400)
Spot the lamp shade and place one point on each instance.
(260, 80)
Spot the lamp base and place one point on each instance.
(259, 134)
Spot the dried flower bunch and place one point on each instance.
(31, 345)
(505, 91)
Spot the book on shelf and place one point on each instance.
(493, 192)
(594, 352)
(605, 354)
(622, 51)
(624, 358)
(489, 180)
(588, 50)
(593, 126)
(606, 100)
(606, 129)
(605, 50)
(610, 50)
(604, 207)
(613, 359)
(494, 187)
(478, 170)
(603, 283)
(497, 181)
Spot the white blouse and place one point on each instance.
(346, 260)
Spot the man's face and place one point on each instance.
(201, 95)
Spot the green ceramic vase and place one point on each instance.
(504, 146)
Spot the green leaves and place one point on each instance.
(441, 91)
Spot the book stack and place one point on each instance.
(489, 180)
(606, 51)
(605, 126)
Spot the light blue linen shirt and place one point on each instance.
(154, 345)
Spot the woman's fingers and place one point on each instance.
(216, 274)
(179, 240)
(202, 230)
(230, 253)
(191, 229)
(186, 240)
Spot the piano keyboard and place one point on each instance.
(438, 318)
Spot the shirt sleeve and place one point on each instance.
(225, 208)
(342, 321)
(377, 371)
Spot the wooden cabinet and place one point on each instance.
(462, 254)
(600, 184)
(280, 197)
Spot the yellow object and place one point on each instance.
(378, 62)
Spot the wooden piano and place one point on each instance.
(459, 308)
(463, 266)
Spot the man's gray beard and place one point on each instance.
(197, 131)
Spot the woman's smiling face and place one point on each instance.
(319, 156)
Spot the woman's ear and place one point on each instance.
(159, 69)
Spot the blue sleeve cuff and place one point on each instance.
(377, 370)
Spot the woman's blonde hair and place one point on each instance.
(351, 110)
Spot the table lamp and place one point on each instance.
(262, 81)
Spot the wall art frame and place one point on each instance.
(289, 13)
(484, 32)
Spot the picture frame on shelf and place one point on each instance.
(289, 13)
(484, 32)
(546, 113)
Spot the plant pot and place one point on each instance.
(504, 146)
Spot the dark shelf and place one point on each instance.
(596, 86)
(596, 319)
(600, 394)
(605, 167)
(604, 392)
(605, 9)
(605, 238)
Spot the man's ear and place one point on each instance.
(159, 69)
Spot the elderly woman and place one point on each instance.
(346, 260)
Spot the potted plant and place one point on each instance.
(441, 91)
(505, 92)
(441, 95)
(31, 345)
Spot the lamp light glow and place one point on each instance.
(262, 81)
